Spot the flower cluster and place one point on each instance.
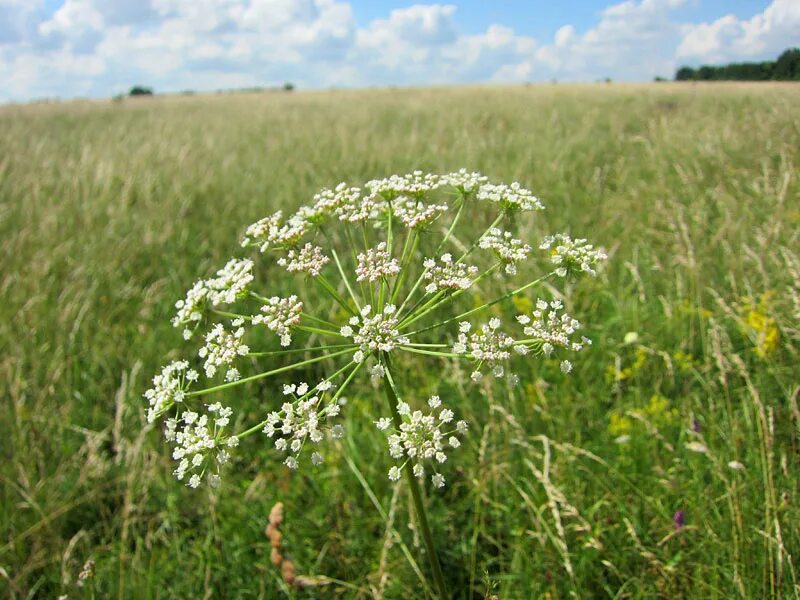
(376, 332)
(386, 297)
(550, 328)
(328, 201)
(463, 180)
(280, 315)
(357, 209)
(487, 345)
(274, 232)
(414, 184)
(309, 259)
(231, 283)
(447, 275)
(169, 388)
(376, 263)
(512, 197)
(200, 443)
(509, 250)
(301, 420)
(414, 213)
(222, 347)
(571, 256)
(420, 437)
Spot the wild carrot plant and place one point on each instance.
(393, 263)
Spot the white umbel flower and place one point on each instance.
(488, 346)
(304, 420)
(463, 180)
(572, 256)
(280, 316)
(327, 201)
(509, 250)
(374, 332)
(375, 264)
(447, 275)
(309, 259)
(552, 327)
(222, 347)
(415, 213)
(512, 197)
(422, 437)
(274, 232)
(169, 387)
(415, 184)
(231, 283)
(200, 442)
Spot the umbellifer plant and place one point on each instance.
(393, 261)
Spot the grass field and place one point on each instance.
(565, 487)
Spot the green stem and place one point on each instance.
(433, 353)
(318, 320)
(421, 277)
(299, 350)
(225, 386)
(413, 484)
(404, 260)
(474, 245)
(346, 280)
(319, 331)
(447, 298)
(326, 285)
(486, 305)
(313, 390)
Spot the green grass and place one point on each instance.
(109, 211)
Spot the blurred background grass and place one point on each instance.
(567, 485)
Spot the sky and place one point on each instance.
(97, 48)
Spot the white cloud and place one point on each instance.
(632, 41)
(728, 38)
(97, 47)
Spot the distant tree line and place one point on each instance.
(786, 68)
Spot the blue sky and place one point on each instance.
(74, 48)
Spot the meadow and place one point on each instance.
(666, 465)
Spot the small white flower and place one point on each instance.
(394, 474)
(512, 197)
(274, 232)
(376, 264)
(375, 333)
(169, 387)
(736, 465)
(438, 480)
(414, 213)
(309, 259)
(383, 423)
(280, 316)
(553, 328)
(509, 250)
(420, 436)
(572, 256)
(566, 366)
(488, 345)
(222, 348)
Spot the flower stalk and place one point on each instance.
(413, 486)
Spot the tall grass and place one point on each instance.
(109, 211)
